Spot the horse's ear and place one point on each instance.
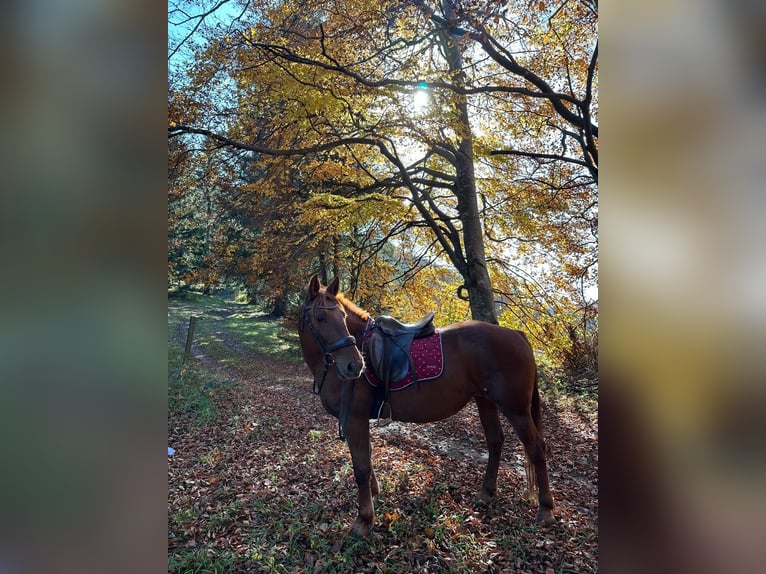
(313, 286)
(334, 286)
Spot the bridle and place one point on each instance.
(329, 360)
(327, 351)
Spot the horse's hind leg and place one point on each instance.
(535, 449)
(493, 432)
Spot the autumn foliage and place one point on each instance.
(431, 153)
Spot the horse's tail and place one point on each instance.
(535, 408)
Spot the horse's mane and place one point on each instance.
(352, 307)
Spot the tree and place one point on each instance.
(499, 167)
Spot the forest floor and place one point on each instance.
(259, 481)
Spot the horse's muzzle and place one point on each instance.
(350, 369)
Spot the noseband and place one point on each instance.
(328, 357)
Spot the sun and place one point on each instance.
(420, 99)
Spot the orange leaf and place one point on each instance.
(391, 517)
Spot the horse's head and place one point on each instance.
(326, 319)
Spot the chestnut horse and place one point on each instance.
(492, 365)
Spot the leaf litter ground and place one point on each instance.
(260, 483)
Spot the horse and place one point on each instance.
(491, 365)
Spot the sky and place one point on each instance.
(184, 16)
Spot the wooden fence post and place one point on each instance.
(189, 338)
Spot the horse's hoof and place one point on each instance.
(545, 517)
(487, 496)
(360, 529)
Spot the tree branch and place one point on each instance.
(193, 31)
(539, 156)
(181, 129)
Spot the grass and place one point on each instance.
(203, 561)
(290, 539)
(188, 397)
(227, 328)
(191, 386)
(257, 331)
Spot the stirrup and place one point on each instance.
(385, 420)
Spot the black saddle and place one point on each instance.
(419, 329)
(388, 348)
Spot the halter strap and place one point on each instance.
(339, 344)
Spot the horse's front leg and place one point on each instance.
(358, 437)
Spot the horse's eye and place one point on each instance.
(321, 318)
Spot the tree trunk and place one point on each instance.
(475, 275)
(280, 307)
(323, 269)
(335, 257)
(474, 271)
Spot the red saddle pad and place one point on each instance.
(428, 357)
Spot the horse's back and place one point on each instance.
(478, 333)
(493, 347)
